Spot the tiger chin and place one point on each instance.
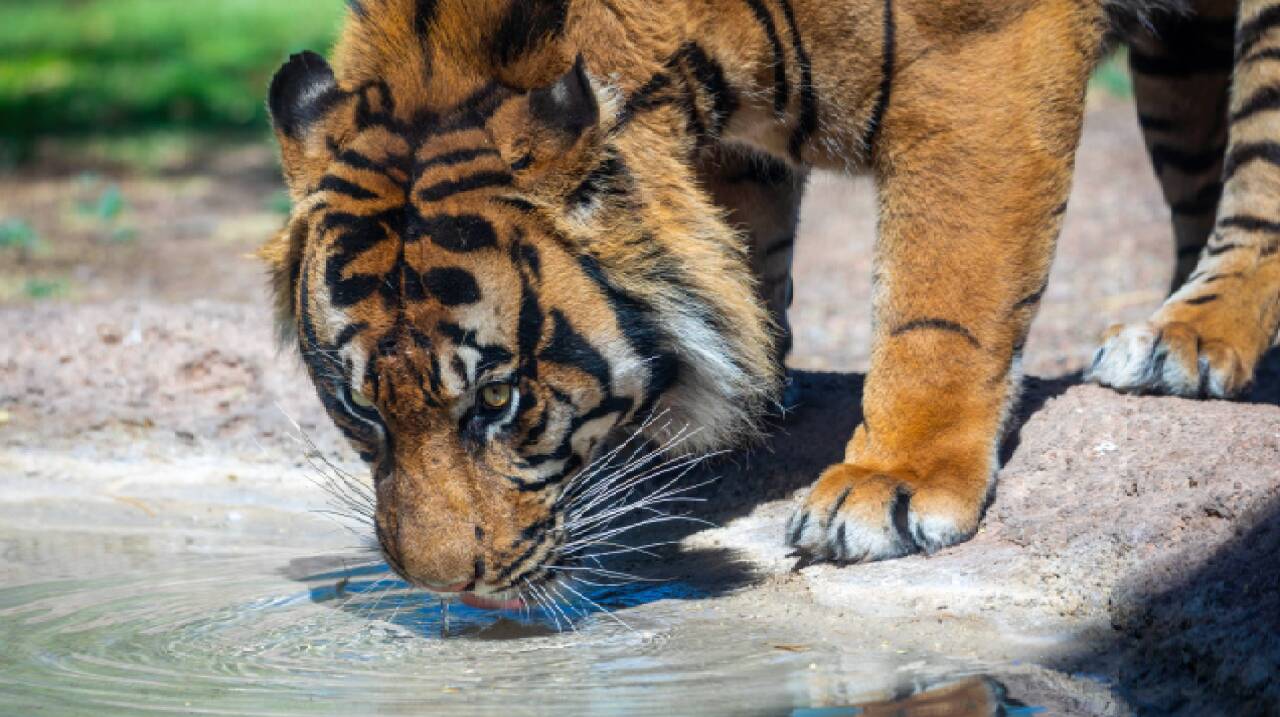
(522, 228)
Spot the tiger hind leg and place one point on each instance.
(1207, 338)
(761, 197)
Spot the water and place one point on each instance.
(165, 625)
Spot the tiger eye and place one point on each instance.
(496, 395)
(361, 400)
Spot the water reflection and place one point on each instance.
(172, 632)
(373, 592)
(977, 696)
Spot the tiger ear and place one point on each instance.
(569, 105)
(302, 92)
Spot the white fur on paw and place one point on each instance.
(1137, 359)
(845, 537)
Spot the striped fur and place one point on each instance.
(1209, 98)
(595, 204)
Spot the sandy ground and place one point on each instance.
(1133, 538)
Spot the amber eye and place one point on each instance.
(497, 396)
(361, 400)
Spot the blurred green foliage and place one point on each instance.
(125, 68)
(1112, 76)
(120, 66)
(18, 234)
(45, 288)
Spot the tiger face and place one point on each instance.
(473, 357)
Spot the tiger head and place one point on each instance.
(489, 279)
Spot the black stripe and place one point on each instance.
(762, 169)
(361, 234)
(808, 121)
(1247, 152)
(1060, 209)
(1271, 53)
(710, 76)
(523, 163)
(1185, 161)
(784, 245)
(567, 347)
(479, 180)
(1249, 223)
(781, 86)
(1223, 249)
(470, 114)
(462, 233)
(321, 366)
(528, 25)
(377, 107)
(692, 117)
(938, 325)
(357, 8)
(511, 566)
(1201, 300)
(351, 158)
(1220, 277)
(452, 286)
(349, 333)
(1032, 299)
(605, 179)
(643, 333)
(1253, 32)
(535, 432)
(459, 156)
(1151, 123)
(1200, 59)
(1267, 98)
(523, 206)
(887, 63)
(646, 98)
(339, 185)
(424, 13)
(1205, 201)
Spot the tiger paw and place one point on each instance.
(1170, 358)
(853, 514)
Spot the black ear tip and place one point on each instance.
(570, 103)
(300, 91)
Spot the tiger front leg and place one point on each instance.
(1207, 339)
(974, 164)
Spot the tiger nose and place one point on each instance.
(433, 557)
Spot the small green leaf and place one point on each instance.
(280, 203)
(44, 288)
(17, 234)
(110, 204)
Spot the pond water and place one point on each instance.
(162, 625)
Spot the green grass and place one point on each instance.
(71, 67)
(129, 71)
(1112, 76)
(18, 234)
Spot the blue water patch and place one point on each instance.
(374, 592)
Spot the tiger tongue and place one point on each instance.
(483, 603)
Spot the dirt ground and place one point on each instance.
(1131, 537)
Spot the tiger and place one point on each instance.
(523, 228)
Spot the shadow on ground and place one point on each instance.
(1215, 626)
(1171, 623)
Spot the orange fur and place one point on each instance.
(594, 202)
